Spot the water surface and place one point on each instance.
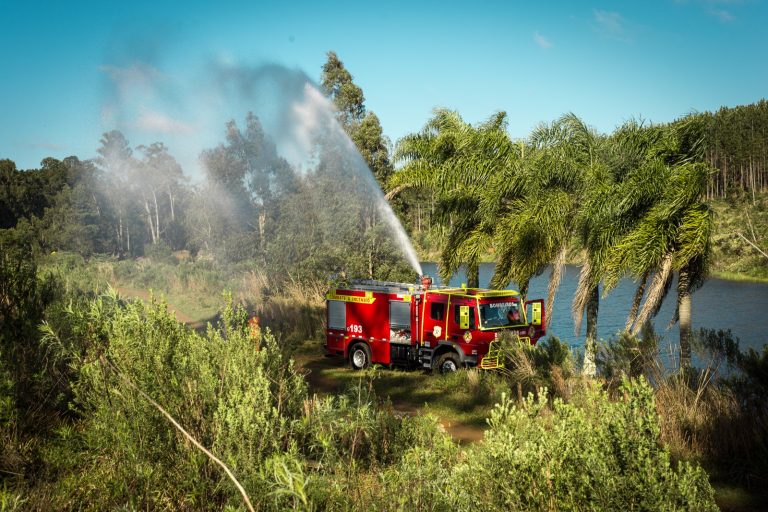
(739, 306)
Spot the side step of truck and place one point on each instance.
(425, 357)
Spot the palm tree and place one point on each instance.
(455, 161)
(672, 235)
(533, 203)
(552, 203)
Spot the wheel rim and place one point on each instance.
(449, 366)
(358, 358)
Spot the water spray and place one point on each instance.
(294, 114)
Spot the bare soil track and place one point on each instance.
(322, 375)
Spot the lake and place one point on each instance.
(739, 306)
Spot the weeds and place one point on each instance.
(715, 414)
(527, 368)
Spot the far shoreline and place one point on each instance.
(725, 276)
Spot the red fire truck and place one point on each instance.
(398, 324)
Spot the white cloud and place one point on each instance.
(542, 41)
(46, 146)
(611, 25)
(151, 121)
(722, 15)
(716, 8)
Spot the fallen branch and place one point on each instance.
(752, 244)
(184, 432)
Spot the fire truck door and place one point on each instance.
(462, 319)
(435, 321)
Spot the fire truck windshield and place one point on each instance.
(501, 313)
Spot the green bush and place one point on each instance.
(232, 392)
(628, 356)
(592, 453)
(530, 367)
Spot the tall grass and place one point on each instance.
(292, 309)
(715, 414)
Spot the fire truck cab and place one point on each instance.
(440, 328)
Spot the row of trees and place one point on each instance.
(103, 206)
(732, 141)
(252, 205)
(628, 202)
(736, 144)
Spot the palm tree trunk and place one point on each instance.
(473, 275)
(684, 308)
(638, 298)
(656, 293)
(524, 290)
(558, 269)
(590, 346)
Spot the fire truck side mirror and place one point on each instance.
(536, 313)
(464, 317)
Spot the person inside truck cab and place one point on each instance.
(513, 315)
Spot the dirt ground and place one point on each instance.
(329, 375)
(145, 295)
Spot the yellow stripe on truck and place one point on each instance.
(368, 299)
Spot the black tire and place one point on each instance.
(448, 363)
(360, 356)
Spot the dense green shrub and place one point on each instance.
(234, 393)
(548, 364)
(727, 395)
(591, 454)
(230, 388)
(627, 356)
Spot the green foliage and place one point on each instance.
(741, 232)
(628, 357)
(728, 394)
(346, 95)
(594, 451)
(734, 143)
(531, 367)
(754, 368)
(232, 392)
(24, 298)
(720, 344)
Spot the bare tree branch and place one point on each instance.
(184, 432)
(752, 244)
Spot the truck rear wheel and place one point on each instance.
(448, 363)
(359, 356)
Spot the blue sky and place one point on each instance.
(73, 70)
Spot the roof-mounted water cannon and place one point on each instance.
(426, 282)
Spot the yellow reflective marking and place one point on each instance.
(368, 299)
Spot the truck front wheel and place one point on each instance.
(448, 362)
(359, 356)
